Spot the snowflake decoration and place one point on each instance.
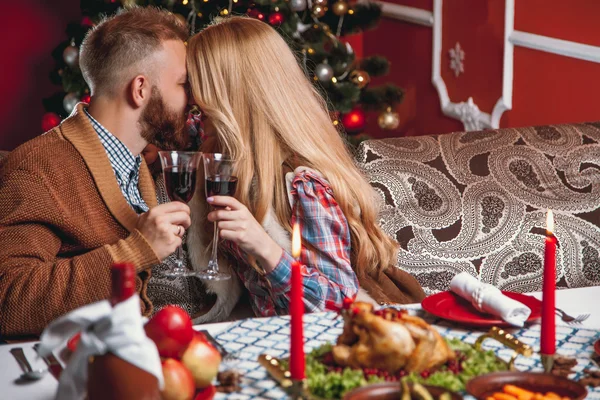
(457, 57)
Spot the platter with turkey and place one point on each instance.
(391, 346)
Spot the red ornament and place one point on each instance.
(255, 13)
(354, 121)
(86, 98)
(49, 121)
(276, 19)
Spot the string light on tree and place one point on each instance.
(340, 8)
(388, 119)
(319, 10)
(255, 13)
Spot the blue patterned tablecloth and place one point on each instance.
(248, 339)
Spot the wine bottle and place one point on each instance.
(110, 377)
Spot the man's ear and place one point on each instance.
(140, 90)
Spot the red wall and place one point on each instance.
(547, 88)
(30, 30)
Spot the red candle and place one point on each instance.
(548, 336)
(296, 311)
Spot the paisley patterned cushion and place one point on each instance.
(477, 201)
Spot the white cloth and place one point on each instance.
(118, 330)
(488, 299)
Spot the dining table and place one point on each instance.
(246, 339)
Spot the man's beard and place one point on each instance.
(161, 126)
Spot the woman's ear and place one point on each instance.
(140, 90)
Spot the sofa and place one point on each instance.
(477, 202)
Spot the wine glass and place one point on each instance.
(219, 181)
(179, 172)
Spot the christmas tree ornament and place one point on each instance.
(70, 101)
(276, 19)
(71, 56)
(318, 10)
(360, 78)
(224, 12)
(320, 3)
(340, 8)
(86, 98)
(354, 121)
(388, 119)
(298, 5)
(49, 121)
(324, 72)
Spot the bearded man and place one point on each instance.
(80, 197)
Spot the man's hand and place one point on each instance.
(163, 226)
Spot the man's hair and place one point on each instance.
(118, 48)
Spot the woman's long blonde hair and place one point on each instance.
(266, 113)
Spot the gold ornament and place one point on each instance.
(318, 11)
(340, 8)
(388, 119)
(360, 78)
(224, 12)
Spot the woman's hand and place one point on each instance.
(237, 224)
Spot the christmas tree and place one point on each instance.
(316, 30)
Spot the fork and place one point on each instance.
(570, 319)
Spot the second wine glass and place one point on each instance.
(219, 181)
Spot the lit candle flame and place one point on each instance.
(549, 223)
(296, 245)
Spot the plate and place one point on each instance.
(450, 306)
(391, 391)
(485, 385)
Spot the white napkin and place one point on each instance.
(119, 330)
(488, 299)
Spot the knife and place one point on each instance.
(53, 364)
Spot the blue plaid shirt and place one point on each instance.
(125, 166)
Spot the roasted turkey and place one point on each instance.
(388, 340)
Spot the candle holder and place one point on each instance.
(296, 388)
(547, 362)
(509, 340)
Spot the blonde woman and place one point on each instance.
(292, 166)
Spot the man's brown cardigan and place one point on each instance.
(63, 222)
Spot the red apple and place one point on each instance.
(206, 394)
(203, 360)
(171, 330)
(179, 382)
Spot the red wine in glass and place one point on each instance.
(216, 186)
(180, 183)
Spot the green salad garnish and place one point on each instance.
(332, 383)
